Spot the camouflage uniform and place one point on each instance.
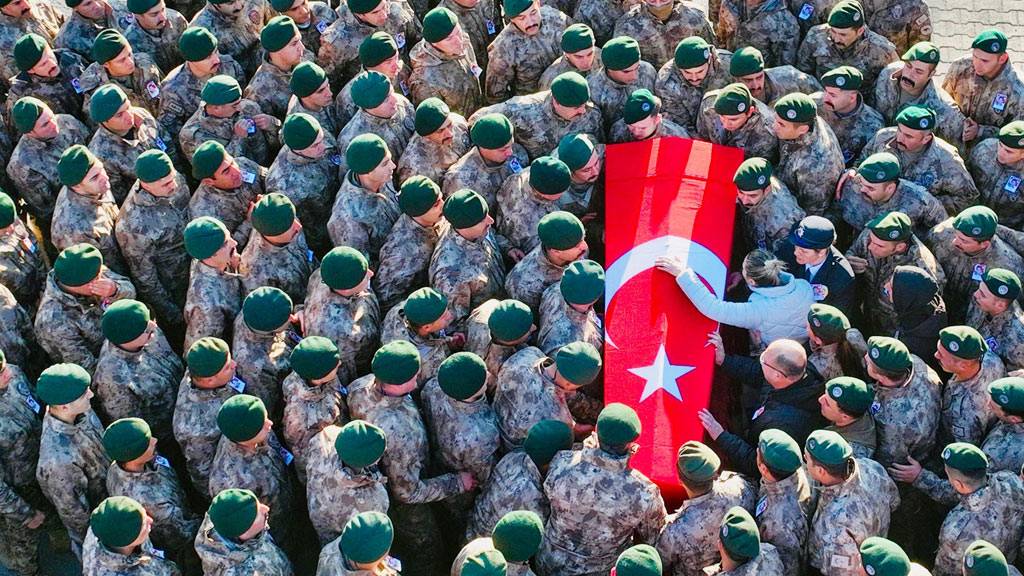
(79, 33)
(142, 86)
(479, 342)
(770, 27)
(262, 361)
(405, 259)
(465, 433)
(473, 172)
(467, 272)
(561, 324)
(18, 336)
(231, 207)
(520, 208)
(195, 428)
(860, 434)
(78, 218)
(433, 348)
(20, 496)
(361, 218)
(180, 94)
(395, 131)
(771, 219)
(767, 562)
(352, 323)
(159, 491)
(63, 94)
(869, 54)
(335, 491)
(118, 153)
(321, 16)
(328, 117)
(903, 22)
(991, 103)
(966, 414)
(269, 87)
(526, 395)
(999, 185)
(846, 514)
(687, 542)
(601, 16)
(588, 528)
(890, 99)
(480, 23)
(425, 158)
(226, 557)
(45, 20)
(238, 36)
(531, 276)
(916, 202)
(658, 38)
(782, 512)
(681, 100)
(782, 80)
(68, 326)
(537, 127)
(666, 128)
(854, 129)
(286, 267)
(332, 563)
(516, 61)
(610, 96)
(825, 358)
(214, 298)
(756, 137)
(160, 45)
(72, 469)
(309, 183)
(561, 65)
(308, 410)
(98, 560)
(21, 264)
(201, 127)
(1004, 334)
(33, 165)
(811, 166)
(346, 108)
(454, 79)
(339, 43)
(515, 484)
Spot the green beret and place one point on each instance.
(424, 306)
(362, 6)
(233, 512)
(739, 535)
(366, 537)
(396, 362)
(370, 89)
(846, 14)
(796, 107)
(545, 439)
(127, 439)
(880, 167)
(207, 356)
(74, 164)
(376, 48)
(570, 89)
(1011, 135)
(639, 560)
(922, 52)
(733, 99)
(576, 150)
(462, 375)
(640, 105)
(207, 158)
(438, 24)
(977, 222)
(300, 130)
(550, 176)
(28, 51)
(77, 265)
(964, 457)
(892, 226)
(221, 89)
(828, 447)
(753, 174)
(124, 321)
(418, 195)
(266, 309)
(827, 322)
(26, 112)
(510, 320)
(197, 43)
(917, 118)
(343, 268)
(514, 8)
(365, 152)
(1008, 393)
(106, 101)
(278, 33)
(282, 5)
(204, 236)
(881, 557)
(314, 357)
(889, 354)
(578, 362)
(696, 462)
(1002, 283)
(152, 165)
(62, 384)
(485, 563)
(560, 230)
(306, 79)
(853, 395)
(117, 521)
(8, 213)
(991, 41)
(983, 559)
(582, 282)
(518, 535)
(491, 131)
(241, 417)
(843, 77)
(108, 45)
(141, 6)
(779, 451)
(620, 53)
(577, 38)
(692, 52)
(617, 425)
(963, 342)
(431, 114)
(746, 61)
(360, 444)
(465, 209)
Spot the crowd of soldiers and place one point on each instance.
(290, 287)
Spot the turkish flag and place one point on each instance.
(669, 196)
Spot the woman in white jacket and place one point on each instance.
(778, 303)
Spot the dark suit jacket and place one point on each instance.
(835, 274)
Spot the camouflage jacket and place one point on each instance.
(756, 137)
(857, 210)
(425, 158)
(473, 172)
(98, 560)
(231, 206)
(339, 43)
(903, 22)
(782, 80)
(213, 300)
(1004, 334)
(180, 93)
(465, 433)
(45, 20)
(681, 100)
(227, 557)
(20, 432)
(890, 98)
(825, 359)
(404, 260)
(160, 45)
(810, 166)
(308, 410)
(63, 93)
(531, 276)
(767, 563)
(452, 78)
(33, 165)
(854, 129)
(966, 413)
(601, 16)
(999, 185)
(118, 153)
(537, 127)
(269, 88)
(561, 324)
(17, 334)
(519, 209)
(286, 267)
(328, 116)
(770, 27)
(310, 184)
(516, 61)
(346, 108)
(479, 342)
(860, 434)
(515, 484)
(238, 35)
(610, 96)
(361, 218)
(869, 54)
(990, 103)
(525, 395)
(619, 131)
(196, 430)
(263, 361)
(79, 33)
(467, 272)
(561, 66)
(395, 131)
(771, 219)
(159, 491)
(433, 348)
(200, 127)
(658, 38)
(352, 323)
(480, 22)
(782, 512)
(78, 218)
(1004, 446)
(142, 86)
(21, 264)
(321, 16)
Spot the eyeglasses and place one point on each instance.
(764, 363)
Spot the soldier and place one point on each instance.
(263, 341)
(214, 294)
(806, 141)
(810, 253)
(77, 291)
(768, 27)
(567, 311)
(642, 120)
(732, 117)
(341, 307)
(72, 467)
(658, 25)
(517, 537)
(424, 320)
(312, 18)
(19, 18)
(234, 540)
(118, 542)
(784, 501)
(228, 186)
(522, 50)
(313, 396)
(885, 557)
(585, 196)
(87, 20)
(480, 21)
(311, 95)
(496, 330)
(966, 412)
(343, 477)
(740, 546)
(441, 138)
(363, 546)
(283, 48)
(855, 489)
(341, 51)
(623, 73)
(837, 349)
(236, 24)
(444, 64)
(210, 381)
(382, 113)
(277, 254)
(635, 512)
(579, 54)
(377, 53)
(638, 560)
(561, 241)
(686, 540)
(876, 188)
(911, 82)
(995, 312)
(523, 200)
(467, 265)
(49, 75)
(226, 118)
(986, 87)
(1003, 442)
(768, 210)
(21, 264)
(768, 85)
(495, 157)
(997, 166)
(696, 68)
(842, 107)
(137, 75)
(845, 405)
(155, 31)
(982, 557)
(17, 336)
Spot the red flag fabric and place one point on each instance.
(669, 196)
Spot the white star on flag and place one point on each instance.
(661, 375)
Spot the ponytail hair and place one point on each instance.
(763, 268)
